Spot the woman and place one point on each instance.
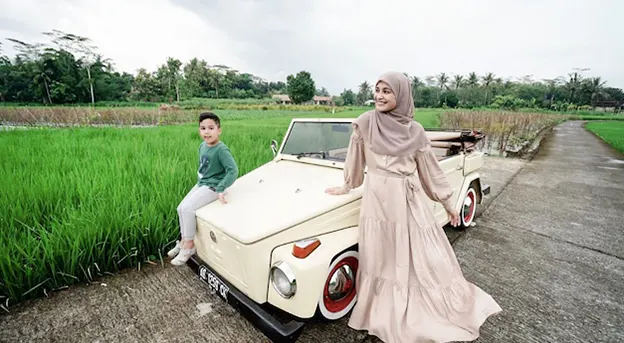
(409, 283)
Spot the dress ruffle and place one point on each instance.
(434, 304)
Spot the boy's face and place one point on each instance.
(209, 131)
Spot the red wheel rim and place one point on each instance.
(468, 215)
(339, 305)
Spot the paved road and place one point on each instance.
(550, 249)
(547, 248)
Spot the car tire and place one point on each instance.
(344, 269)
(468, 208)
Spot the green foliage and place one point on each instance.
(348, 97)
(611, 132)
(300, 88)
(508, 102)
(364, 94)
(489, 91)
(70, 71)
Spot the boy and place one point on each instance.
(217, 171)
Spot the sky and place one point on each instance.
(340, 42)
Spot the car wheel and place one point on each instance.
(469, 208)
(339, 292)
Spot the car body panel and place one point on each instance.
(311, 271)
(295, 190)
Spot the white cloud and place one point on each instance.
(342, 43)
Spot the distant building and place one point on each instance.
(323, 100)
(284, 99)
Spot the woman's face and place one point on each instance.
(385, 100)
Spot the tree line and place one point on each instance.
(70, 70)
(473, 91)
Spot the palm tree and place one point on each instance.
(173, 74)
(458, 82)
(488, 79)
(214, 80)
(364, 93)
(473, 80)
(573, 86)
(442, 80)
(595, 87)
(551, 87)
(416, 84)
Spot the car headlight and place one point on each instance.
(283, 280)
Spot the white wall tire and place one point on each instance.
(468, 208)
(339, 295)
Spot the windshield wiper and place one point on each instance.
(302, 154)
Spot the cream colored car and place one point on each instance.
(283, 248)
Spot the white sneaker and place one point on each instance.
(175, 249)
(183, 256)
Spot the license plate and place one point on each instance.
(214, 283)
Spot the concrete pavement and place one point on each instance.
(550, 249)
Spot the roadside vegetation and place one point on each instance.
(611, 132)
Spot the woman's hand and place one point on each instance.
(454, 216)
(337, 190)
(222, 198)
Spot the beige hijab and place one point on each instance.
(395, 132)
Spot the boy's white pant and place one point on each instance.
(197, 197)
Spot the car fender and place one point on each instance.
(471, 178)
(310, 272)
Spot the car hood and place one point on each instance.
(274, 197)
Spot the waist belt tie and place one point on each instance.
(402, 238)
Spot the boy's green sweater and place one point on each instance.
(217, 167)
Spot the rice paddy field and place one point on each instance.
(79, 202)
(611, 132)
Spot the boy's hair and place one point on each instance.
(209, 115)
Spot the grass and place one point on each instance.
(611, 117)
(82, 202)
(611, 132)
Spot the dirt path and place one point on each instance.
(548, 249)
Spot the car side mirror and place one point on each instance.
(274, 146)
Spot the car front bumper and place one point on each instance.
(272, 328)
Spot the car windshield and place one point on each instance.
(322, 140)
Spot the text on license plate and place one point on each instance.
(214, 283)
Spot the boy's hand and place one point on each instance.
(222, 198)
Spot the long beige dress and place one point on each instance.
(410, 286)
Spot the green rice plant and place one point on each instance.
(610, 132)
(78, 203)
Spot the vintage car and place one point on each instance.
(282, 250)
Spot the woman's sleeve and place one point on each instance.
(355, 161)
(432, 178)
